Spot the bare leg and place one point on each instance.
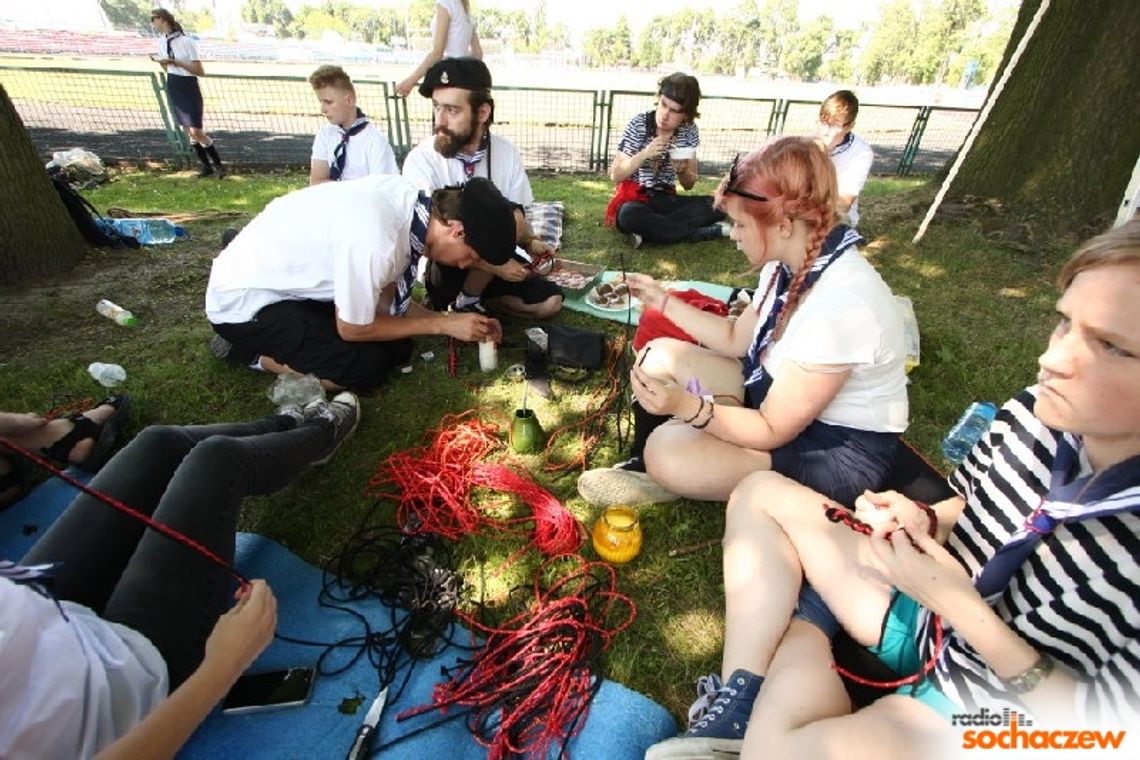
(517, 307)
(48, 434)
(803, 711)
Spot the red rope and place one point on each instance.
(129, 511)
(531, 683)
(845, 516)
(432, 487)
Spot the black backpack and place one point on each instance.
(85, 215)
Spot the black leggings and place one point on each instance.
(667, 218)
(194, 480)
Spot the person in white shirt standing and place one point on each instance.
(178, 57)
(851, 154)
(453, 36)
(349, 146)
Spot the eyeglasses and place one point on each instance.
(732, 181)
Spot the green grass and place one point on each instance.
(984, 313)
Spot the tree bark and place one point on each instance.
(1062, 137)
(37, 235)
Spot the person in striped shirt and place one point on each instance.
(1022, 591)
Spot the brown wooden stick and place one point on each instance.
(693, 547)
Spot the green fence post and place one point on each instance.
(912, 143)
(174, 135)
(778, 116)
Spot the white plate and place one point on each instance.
(631, 302)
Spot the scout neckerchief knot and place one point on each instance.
(36, 577)
(169, 47)
(847, 141)
(417, 235)
(471, 160)
(1070, 499)
(340, 153)
(756, 379)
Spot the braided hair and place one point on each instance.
(798, 179)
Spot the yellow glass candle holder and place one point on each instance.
(617, 535)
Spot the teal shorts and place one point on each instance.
(898, 650)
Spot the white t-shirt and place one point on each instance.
(848, 317)
(367, 152)
(337, 241)
(852, 166)
(459, 29)
(428, 170)
(185, 48)
(69, 687)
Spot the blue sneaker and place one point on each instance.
(717, 720)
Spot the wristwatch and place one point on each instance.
(1031, 677)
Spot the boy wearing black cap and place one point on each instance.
(461, 147)
(649, 164)
(320, 282)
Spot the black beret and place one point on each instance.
(488, 221)
(464, 73)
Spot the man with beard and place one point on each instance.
(657, 150)
(462, 147)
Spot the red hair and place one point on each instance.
(798, 179)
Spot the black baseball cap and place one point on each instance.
(464, 73)
(488, 220)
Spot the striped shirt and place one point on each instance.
(1076, 597)
(656, 173)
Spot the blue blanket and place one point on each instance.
(621, 723)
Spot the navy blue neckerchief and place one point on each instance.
(847, 141)
(471, 160)
(1069, 499)
(757, 381)
(340, 152)
(169, 47)
(38, 578)
(417, 235)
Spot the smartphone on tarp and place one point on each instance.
(270, 690)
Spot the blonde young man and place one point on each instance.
(851, 154)
(349, 146)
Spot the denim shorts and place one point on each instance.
(898, 650)
(839, 462)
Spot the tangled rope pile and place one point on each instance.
(529, 687)
(432, 487)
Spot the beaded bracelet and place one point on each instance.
(931, 515)
(696, 414)
(705, 424)
(1030, 678)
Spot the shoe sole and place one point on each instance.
(695, 748)
(336, 447)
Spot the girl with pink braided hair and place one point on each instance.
(808, 382)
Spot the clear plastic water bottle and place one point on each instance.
(970, 428)
(147, 231)
(107, 375)
(116, 313)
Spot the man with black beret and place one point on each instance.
(462, 147)
(320, 282)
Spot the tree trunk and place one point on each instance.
(1062, 137)
(37, 235)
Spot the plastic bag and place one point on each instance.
(910, 332)
(82, 168)
(296, 389)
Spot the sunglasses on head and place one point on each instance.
(731, 187)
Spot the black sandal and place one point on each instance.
(104, 435)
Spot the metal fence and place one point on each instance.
(270, 121)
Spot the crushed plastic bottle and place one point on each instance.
(107, 375)
(971, 426)
(296, 389)
(115, 313)
(146, 231)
